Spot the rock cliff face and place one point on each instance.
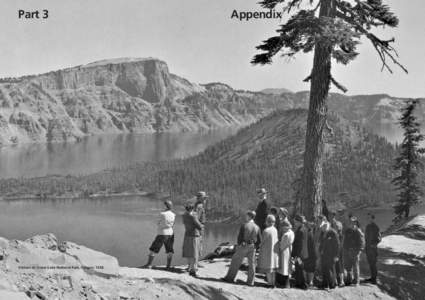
(122, 95)
(141, 95)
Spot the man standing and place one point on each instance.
(353, 246)
(303, 253)
(329, 250)
(373, 237)
(165, 235)
(200, 206)
(339, 266)
(263, 209)
(249, 238)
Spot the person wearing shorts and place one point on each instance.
(164, 237)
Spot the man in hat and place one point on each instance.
(249, 239)
(353, 246)
(263, 209)
(165, 235)
(373, 237)
(200, 205)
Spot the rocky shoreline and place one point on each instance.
(44, 268)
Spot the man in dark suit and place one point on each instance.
(263, 209)
(372, 237)
(329, 251)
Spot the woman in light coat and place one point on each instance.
(268, 259)
(285, 246)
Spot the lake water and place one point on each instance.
(123, 227)
(96, 153)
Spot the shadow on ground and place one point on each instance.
(400, 275)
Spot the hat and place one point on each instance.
(261, 191)
(300, 218)
(283, 211)
(201, 194)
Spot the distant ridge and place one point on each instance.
(276, 91)
(141, 95)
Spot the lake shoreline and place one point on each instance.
(44, 267)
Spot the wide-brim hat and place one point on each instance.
(283, 211)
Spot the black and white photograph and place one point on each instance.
(229, 150)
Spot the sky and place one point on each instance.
(199, 41)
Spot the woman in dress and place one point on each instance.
(192, 235)
(285, 245)
(268, 260)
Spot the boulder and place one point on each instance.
(93, 261)
(47, 241)
(8, 295)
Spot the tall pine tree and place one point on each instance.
(408, 163)
(332, 29)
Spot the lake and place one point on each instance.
(123, 227)
(99, 152)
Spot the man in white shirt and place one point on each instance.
(165, 236)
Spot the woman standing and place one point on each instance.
(285, 252)
(268, 260)
(192, 236)
(283, 216)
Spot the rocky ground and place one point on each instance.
(44, 268)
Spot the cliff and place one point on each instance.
(43, 268)
(121, 95)
(141, 95)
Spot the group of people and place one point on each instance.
(325, 253)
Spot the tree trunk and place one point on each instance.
(311, 201)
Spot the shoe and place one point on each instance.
(147, 267)
(193, 274)
(226, 280)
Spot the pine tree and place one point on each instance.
(332, 29)
(408, 163)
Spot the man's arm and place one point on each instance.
(259, 238)
(198, 225)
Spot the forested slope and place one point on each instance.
(357, 169)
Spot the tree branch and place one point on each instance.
(338, 85)
(382, 47)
